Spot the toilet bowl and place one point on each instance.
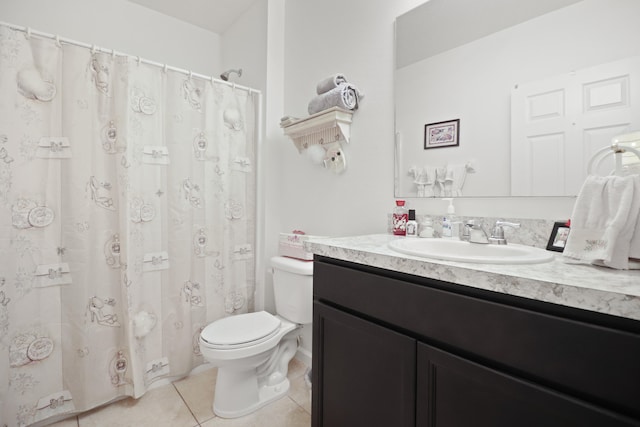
(252, 351)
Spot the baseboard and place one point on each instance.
(304, 356)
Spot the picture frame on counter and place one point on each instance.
(558, 237)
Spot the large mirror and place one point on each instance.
(511, 98)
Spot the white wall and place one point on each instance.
(123, 26)
(353, 37)
(244, 45)
(269, 175)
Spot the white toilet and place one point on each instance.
(252, 351)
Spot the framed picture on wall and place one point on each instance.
(558, 238)
(442, 134)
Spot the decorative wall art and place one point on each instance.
(442, 134)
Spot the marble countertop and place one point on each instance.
(600, 289)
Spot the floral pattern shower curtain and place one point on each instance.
(127, 200)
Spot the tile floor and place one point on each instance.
(187, 403)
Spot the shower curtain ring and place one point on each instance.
(58, 41)
(165, 68)
(28, 33)
(93, 49)
(190, 74)
(139, 60)
(113, 54)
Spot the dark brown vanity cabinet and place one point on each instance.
(392, 349)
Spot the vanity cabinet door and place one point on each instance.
(363, 373)
(455, 392)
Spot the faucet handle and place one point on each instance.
(500, 223)
(466, 234)
(497, 234)
(471, 223)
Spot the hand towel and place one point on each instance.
(425, 175)
(345, 96)
(329, 83)
(605, 221)
(456, 174)
(439, 189)
(425, 178)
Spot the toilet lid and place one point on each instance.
(241, 329)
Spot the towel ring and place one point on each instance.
(602, 153)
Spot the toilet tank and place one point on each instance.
(293, 289)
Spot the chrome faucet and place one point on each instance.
(497, 234)
(474, 233)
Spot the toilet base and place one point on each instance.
(266, 395)
(242, 388)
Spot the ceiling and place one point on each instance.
(445, 24)
(212, 15)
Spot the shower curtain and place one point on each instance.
(127, 200)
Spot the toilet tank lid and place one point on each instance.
(292, 265)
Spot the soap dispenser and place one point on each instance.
(450, 225)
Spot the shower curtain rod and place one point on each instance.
(59, 40)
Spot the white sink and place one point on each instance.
(460, 251)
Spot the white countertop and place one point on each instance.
(600, 289)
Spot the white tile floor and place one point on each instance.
(187, 403)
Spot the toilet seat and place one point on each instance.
(241, 331)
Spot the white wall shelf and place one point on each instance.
(328, 126)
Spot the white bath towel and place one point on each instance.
(345, 96)
(605, 221)
(329, 83)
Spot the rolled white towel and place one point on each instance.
(345, 96)
(329, 83)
